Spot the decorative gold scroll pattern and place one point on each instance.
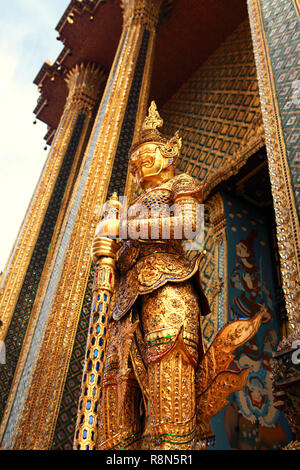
(95, 76)
(287, 223)
(41, 405)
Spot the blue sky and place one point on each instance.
(27, 39)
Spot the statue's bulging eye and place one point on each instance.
(148, 162)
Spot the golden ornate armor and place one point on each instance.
(147, 265)
(156, 382)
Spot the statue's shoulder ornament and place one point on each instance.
(186, 185)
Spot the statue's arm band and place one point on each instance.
(177, 226)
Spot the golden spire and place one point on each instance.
(153, 120)
(170, 148)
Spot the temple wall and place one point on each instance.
(251, 421)
(217, 108)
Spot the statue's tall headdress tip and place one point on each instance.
(150, 133)
(153, 120)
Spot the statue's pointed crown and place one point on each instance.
(151, 122)
(150, 133)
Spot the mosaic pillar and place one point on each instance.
(275, 33)
(19, 259)
(213, 270)
(28, 269)
(32, 420)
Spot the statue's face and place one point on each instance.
(146, 162)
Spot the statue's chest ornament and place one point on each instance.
(155, 200)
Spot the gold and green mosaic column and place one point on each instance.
(32, 421)
(29, 269)
(275, 33)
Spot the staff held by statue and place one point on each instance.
(104, 255)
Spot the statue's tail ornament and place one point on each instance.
(214, 380)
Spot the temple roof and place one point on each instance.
(90, 31)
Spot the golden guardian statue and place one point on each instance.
(157, 388)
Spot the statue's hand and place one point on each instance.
(108, 228)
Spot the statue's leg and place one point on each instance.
(119, 413)
(172, 404)
(170, 321)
